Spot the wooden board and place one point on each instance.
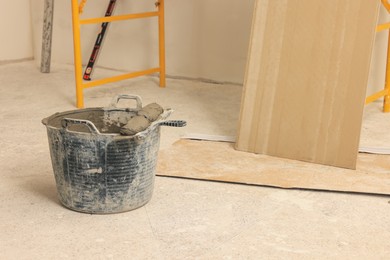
(219, 161)
(306, 79)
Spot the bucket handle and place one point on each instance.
(161, 122)
(173, 123)
(65, 122)
(115, 100)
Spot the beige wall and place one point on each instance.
(205, 38)
(15, 28)
(378, 63)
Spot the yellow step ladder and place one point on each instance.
(77, 9)
(385, 93)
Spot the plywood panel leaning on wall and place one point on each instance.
(306, 79)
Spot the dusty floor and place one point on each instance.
(185, 219)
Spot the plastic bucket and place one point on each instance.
(96, 169)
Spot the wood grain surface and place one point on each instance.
(306, 79)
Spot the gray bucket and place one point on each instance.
(96, 169)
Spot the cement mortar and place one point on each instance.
(135, 125)
(142, 121)
(151, 111)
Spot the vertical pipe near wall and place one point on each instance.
(77, 54)
(161, 33)
(386, 101)
(47, 35)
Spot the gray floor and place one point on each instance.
(186, 219)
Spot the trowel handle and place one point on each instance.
(115, 100)
(174, 123)
(68, 121)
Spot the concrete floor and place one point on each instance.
(185, 219)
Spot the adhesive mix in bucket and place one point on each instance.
(142, 120)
